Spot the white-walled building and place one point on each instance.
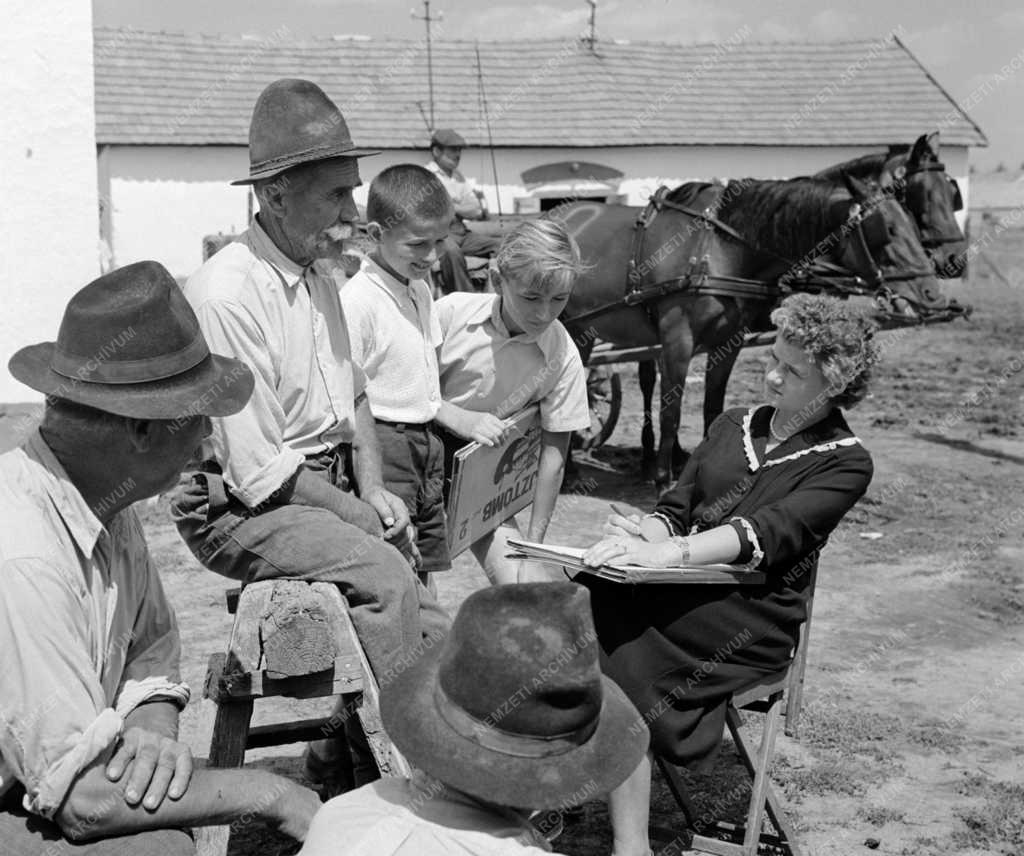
(48, 220)
(173, 112)
(146, 173)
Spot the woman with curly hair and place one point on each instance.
(764, 489)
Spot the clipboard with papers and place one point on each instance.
(571, 558)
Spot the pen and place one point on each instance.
(623, 513)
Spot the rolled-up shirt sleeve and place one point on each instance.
(54, 719)
(249, 445)
(152, 666)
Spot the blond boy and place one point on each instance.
(503, 352)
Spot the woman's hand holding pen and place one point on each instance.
(620, 522)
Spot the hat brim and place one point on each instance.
(277, 169)
(413, 723)
(217, 386)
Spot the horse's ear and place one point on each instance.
(926, 148)
(859, 190)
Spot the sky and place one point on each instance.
(974, 50)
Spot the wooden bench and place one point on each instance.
(292, 639)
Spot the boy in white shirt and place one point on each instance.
(503, 352)
(394, 337)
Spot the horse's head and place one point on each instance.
(880, 243)
(933, 197)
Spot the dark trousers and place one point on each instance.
(391, 610)
(454, 273)
(412, 461)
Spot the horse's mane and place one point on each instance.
(787, 217)
(866, 166)
(688, 192)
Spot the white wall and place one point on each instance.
(166, 198)
(49, 228)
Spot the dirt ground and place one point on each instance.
(911, 739)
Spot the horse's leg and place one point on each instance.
(676, 352)
(716, 377)
(647, 373)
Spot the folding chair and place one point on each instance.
(775, 696)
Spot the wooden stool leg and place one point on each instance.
(390, 761)
(227, 749)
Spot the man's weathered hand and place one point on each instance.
(156, 766)
(405, 542)
(392, 511)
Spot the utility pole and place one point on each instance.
(425, 17)
(591, 39)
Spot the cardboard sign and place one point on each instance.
(491, 483)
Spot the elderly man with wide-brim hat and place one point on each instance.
(508, 715)
(90, 690)
(291, 485)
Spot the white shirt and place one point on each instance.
(394, 334)
(462, 190)
(286, 322)
(86, 633)
(486, 368)
(417, 817)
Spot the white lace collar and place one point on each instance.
(753, 464)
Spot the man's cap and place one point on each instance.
(130, 344)
(512, 707)
(294, 122)
(448, 138)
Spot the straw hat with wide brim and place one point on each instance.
(511, 707)
(130, 344)
(294, 122)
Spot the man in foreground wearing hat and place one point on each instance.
(89, 682)
(509, 713)
(291, 485)
(446, 152)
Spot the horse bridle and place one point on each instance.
(900, 193)
(807, 271)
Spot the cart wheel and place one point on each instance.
(604, 393)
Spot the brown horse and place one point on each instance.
(702, 265)
(917, 178)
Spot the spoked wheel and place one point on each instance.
(604, 393)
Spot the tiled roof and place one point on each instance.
(186, 89)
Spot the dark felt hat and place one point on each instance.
(130, 344)
(294, 122)
(511, 707)
(447, 137)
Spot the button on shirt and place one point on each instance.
(394, 334)
(417, 817)
(285, 321)
(485, 368)
(86, 633)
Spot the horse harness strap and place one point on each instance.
(698, 278)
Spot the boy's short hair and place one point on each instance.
(543, 251)
(407, 191)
